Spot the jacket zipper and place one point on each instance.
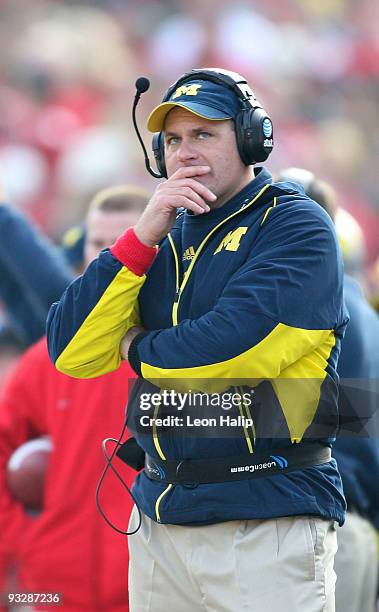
(179, 288)
(162, 456)
(248, 414)
(155, 435)
(177, 281)
(245, 429)
(175, 322)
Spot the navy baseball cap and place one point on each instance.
(203, 98)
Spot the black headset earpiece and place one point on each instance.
(253, 126)
(158, 150)
(254, 134)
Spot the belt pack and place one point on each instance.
(191, 472)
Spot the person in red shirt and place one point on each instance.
(69, 548)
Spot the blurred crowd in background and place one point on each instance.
(67, 85)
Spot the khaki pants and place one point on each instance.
(356, 566)
(277, 565)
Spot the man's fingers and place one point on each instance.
(196, 208)
(182, 201)
(187, 175)
(191, 194)
(193, 184)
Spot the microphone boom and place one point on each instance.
(142, 85)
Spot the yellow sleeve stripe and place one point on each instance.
(283, 346)
(299, 385)
(95, 348)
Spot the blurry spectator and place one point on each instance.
(69, 548)
(11, 349)
(356, 562)
(32, 273)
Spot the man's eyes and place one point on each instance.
(204, 135)
(173, 140)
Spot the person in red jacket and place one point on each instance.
(69, 548)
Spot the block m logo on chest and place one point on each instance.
(232, 240)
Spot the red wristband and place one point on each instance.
(135, 255)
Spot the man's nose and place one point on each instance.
(186, 151)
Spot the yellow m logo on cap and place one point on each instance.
(232, 240)
(186, 90)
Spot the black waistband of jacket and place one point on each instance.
(192, 472)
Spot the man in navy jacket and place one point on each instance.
(239, 314)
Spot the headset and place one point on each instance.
(253, 126)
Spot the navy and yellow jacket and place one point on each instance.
(248, 296)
